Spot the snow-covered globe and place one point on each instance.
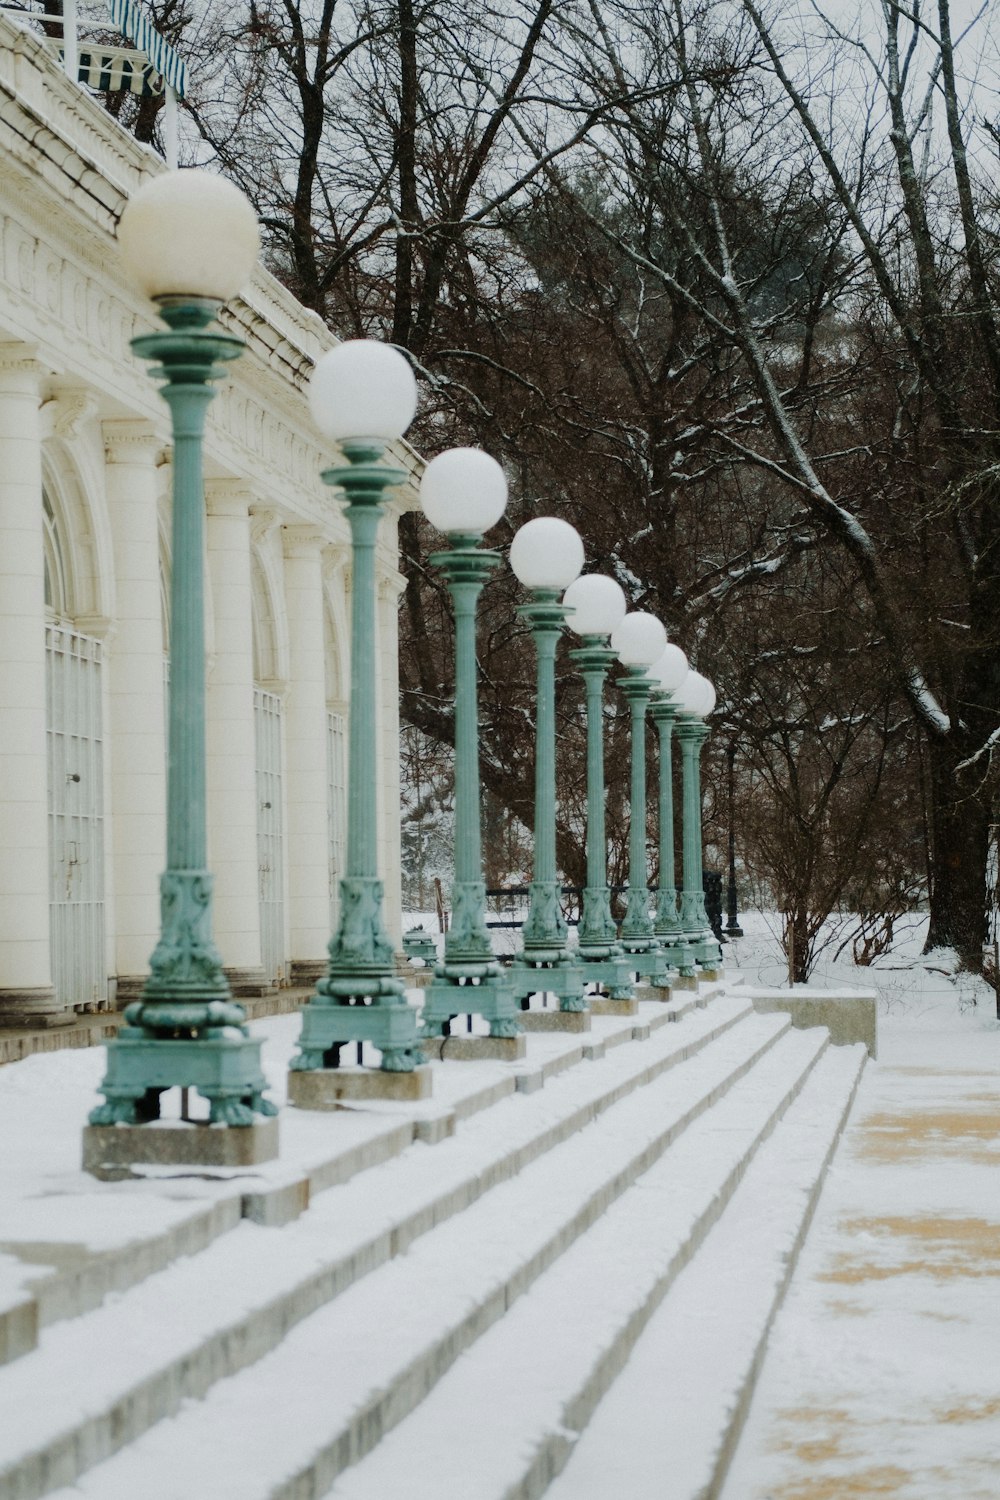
(595, 605)
(546, 553)
(639, 640)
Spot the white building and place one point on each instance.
(84, 569)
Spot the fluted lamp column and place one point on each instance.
(668, 674)
(695, 701)
(363, 396)
(546, 555)
(189, 241)
(640, 640)
(595, 607)
(464, 493)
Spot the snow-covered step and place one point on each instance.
(345, 1377)
(670, 1423)
(357, 1365)
(555, 1354)
(93, 1239)
(213, 1313)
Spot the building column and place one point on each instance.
(136, 721)
(390, 590)
(230, 742)
(307, 799)
(26, 994)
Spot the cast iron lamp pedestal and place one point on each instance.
(185, 1031)
(360, 387)
(470, 980)
(546, 555)
(696, 699)
(666, 923)
(638, 937)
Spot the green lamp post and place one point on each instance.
(463, 493)
(546, 555)
(596, 606)
(695, 701)
(639, 641)
(668, 674)
(189, 240)
(363, 396)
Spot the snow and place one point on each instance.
(879, 1375)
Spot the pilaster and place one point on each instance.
(137, 738)
(231, 767)
(307, 792)
(25, 967)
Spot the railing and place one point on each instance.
(104, 67)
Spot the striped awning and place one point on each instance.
(136, 25)
(109, 71)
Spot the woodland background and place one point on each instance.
(717, 282)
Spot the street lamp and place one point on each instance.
(464, 493)
(640, 641)
(363, 396)
(596, 607)
(733, 928)
(546, 555)
(189, 241)
(668, 674)
(695, 701)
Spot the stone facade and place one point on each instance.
(84, 559)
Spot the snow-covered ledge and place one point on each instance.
(851, 1015)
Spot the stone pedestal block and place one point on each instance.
(554, 1020)
(463, 1048)
(601, 1005)
(327, 1088)
(110, 1150)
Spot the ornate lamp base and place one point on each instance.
(611, 968)
(220, 1060)
(548, 972)
(374, 1010)
(473, 989)
(649, 960)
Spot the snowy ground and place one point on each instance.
(881, 1373)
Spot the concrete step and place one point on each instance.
(179, 1331)
(51, 1265)
(670, 1423)
(348, 1374)
(514, 1405)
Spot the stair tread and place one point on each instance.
(653, 1428)
(545, 1354)
(428, 1303)
(252, 1267)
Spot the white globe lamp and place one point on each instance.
(463, 491)
(189, 234)
(670, 670)
(363, 390)
(595, 604)
(639, 640)
(547, 553)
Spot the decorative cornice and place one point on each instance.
(132, 440)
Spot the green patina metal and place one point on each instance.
(545, 962)
(638, 936)
(470, 980)
(666, 922)
(602, 956)
(360, 999)
(692, 734)
(185, 1031)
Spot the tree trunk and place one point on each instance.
(960, 837)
